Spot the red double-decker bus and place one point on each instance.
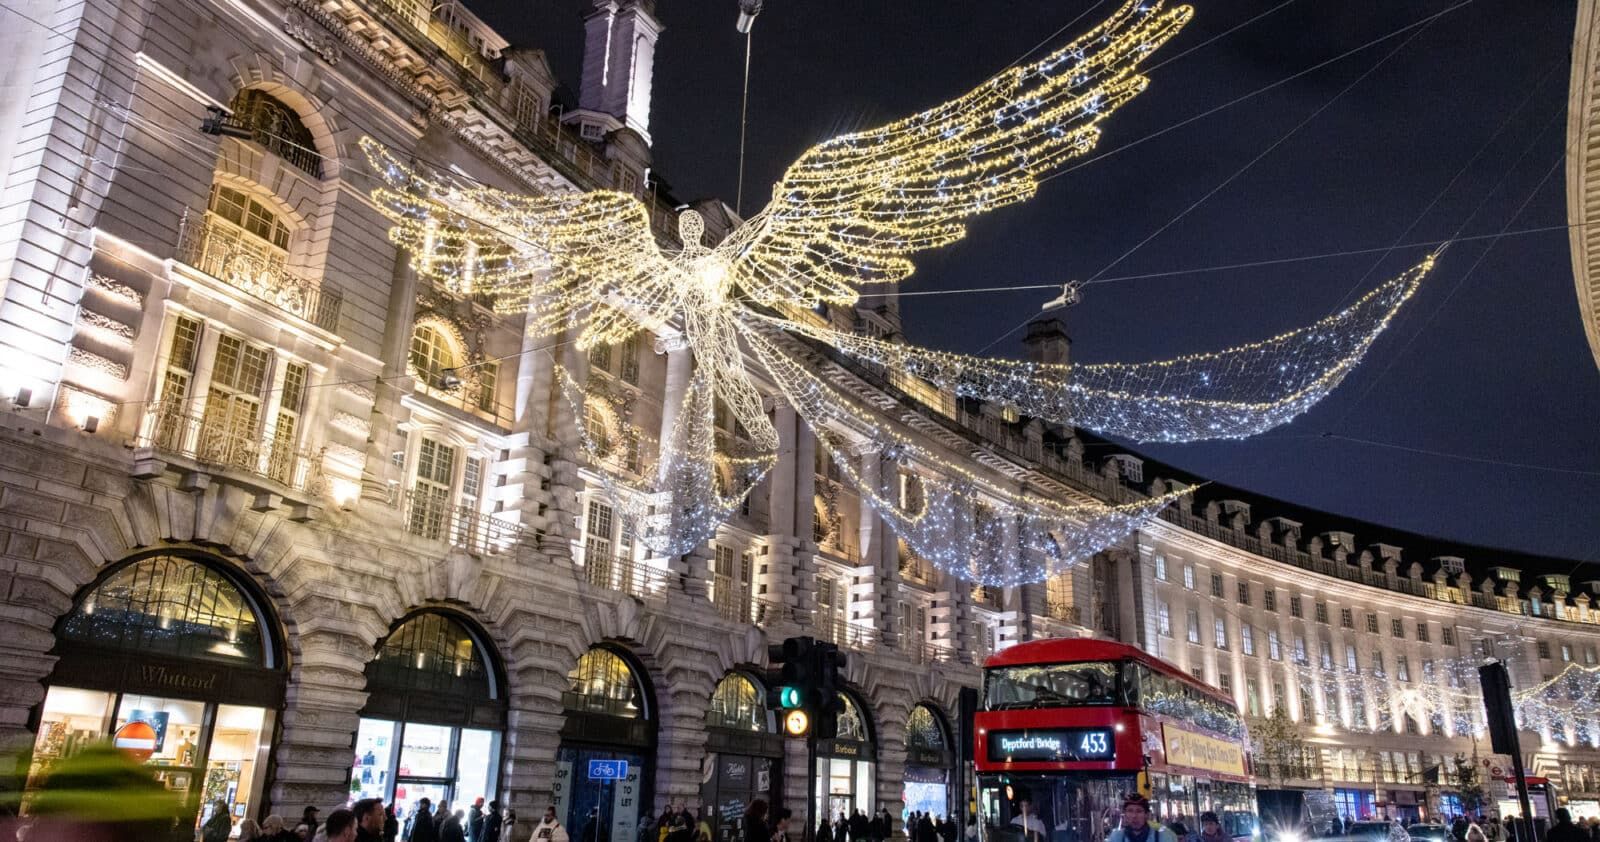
(1069, 727)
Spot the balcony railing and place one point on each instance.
(630, 576)
(436, 518)
(229, 439)
(732, 599)
(220, 251)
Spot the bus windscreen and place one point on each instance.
(1055, 685)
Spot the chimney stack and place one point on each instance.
(619, 53)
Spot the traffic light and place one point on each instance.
(792, 686)
(825, 712)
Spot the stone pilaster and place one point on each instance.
(311, 762)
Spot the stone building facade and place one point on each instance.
(306, 527)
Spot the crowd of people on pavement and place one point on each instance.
(370, 820)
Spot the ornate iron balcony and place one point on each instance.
(225, 253)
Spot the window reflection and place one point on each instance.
(169, 605)
(738, 705)
(603, 683)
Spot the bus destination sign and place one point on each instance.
(1052, 745)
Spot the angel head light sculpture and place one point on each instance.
(851, 212)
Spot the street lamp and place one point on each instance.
(748, 9)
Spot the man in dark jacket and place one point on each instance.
(423, 827)
(491, 823)
(1564, 830)
(858, 825)
(453, 829)
(475, 820)
(369, 820)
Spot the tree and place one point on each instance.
(1278, 745)
(1472, 794)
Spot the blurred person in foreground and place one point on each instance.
(99, 794)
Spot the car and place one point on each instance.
(1367, 832)
(1422, 832)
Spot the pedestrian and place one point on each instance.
(341, 826)
(423, 827)
(454, 828)
(1475, 832)
(1594, 829)
(549, 828)
(1136, 825)
(475, 820)
(755, 822)
(492, 822)
(925, 831)
(824, 830)
(1564, 830)
(272, 829)
(249, 831)
(220, 826)
(391, 822)
(885, 824)
(1397, 833)
(309, 819)
(369, 819)
(1458, 828)
(972, 829)
(508, 824)
(702, 825)
(780, 825)
(1211, 828)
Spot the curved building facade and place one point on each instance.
(251, 525)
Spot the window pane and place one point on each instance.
(176, 723)
(71, 719)
(425, 751)
(475, 765)
(170, 606)
(232, 770)
(374, 751)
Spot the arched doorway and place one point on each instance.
(744, 754)
(176, 658)
(846, 764)
(603, 770)
(435, 715)
(929, 761)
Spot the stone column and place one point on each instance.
(891, 770)
(805, 492)
(566, 484)
(776, 580)
(379, 473)
(527, 492)
(321, 712)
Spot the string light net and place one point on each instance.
(1234, 393)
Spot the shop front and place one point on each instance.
(929, 763)
(603, 768)
(177, 660)
(435, 714)
(744, 755)
(846, 765)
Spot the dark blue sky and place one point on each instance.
(1496, 366)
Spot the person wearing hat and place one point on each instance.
(1211, 828)
(1136, 825)
(475, 820)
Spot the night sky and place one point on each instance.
(1496, 367)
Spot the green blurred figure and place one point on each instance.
(97, 795)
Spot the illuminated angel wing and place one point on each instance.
(1234, 393)
(853, 209)
(574, 260)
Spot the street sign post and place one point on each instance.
(608, 770)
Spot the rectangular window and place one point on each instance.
(1347, 618)
(1164, 619)
(1350, 661)
(1326, 652)
(1161, 567)
(600, 358)
(1422, 632)
(1397, 628)
(1430, 672)
(1295, 608)
(1244, 593)
(1269, 599)
(1372, 623)
(231, 427)
(1278, 696)
(1252, 695)
(1198, 672)
(1274, 651)
(1447, 636)
(1194, 626)
(1221, 631)
(1377, 661)
(1225, 682)
(1330, 703)
(1588, 655)
(1188, 576)
(1322, 612)
(597, 548)
(1300, 649)
(1247, 638)
(1216, 585)
(630, 360)
(1402, 668)
(431, 489)
(471, 482)
(1544, 650)
(1566, 653)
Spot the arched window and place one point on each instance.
(277, 127)
(433, 652)
(737, 704)
(604, 683)
(434, 715)
(924, 730)
(170, 605)
(432, 353)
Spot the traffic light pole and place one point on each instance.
(811, 786)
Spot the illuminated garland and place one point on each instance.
(1225, 394)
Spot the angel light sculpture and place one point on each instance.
(850, 213)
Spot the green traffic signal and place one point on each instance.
(789, 697)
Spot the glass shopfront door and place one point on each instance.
(437, 762)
